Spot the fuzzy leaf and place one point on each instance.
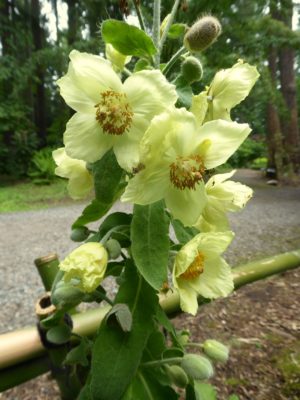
(127, 39)
(150, 242)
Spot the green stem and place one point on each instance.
(127, 72)
(172, 360)
(192, 344)
(173, 60)
(156, 28)
(139, 15)
(168, 25)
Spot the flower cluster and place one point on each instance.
(167, 153)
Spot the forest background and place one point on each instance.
(34, 54)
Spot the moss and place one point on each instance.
(236, 382)
(288, 362)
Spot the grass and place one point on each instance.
(28, 196)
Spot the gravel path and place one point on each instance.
(268, 225)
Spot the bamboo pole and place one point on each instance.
(47, 268)
(25, 344)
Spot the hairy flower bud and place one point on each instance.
(80, 234)
(202, 34)
(197, 367)
(191, 69)
(66, 295)
(114, 249)
(177, 375)
(216, 350)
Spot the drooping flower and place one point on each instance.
(80, 179)
(85, 266)
(229, 87)
(110, 113)
(117, 59)
(175, 152)
(200, 270)
(222, 196)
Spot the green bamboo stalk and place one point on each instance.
(47, 268)
(19, 346)
(23, 372)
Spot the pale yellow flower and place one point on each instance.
(223, 195)
(85, 266)
(109, 113)
(200, 270)
(80, 179)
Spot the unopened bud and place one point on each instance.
(66, 295)
(80, 234)
(177, 375)
(197, 367)
(216, 350)
(114, 249)
(202, 34)
(191, 69)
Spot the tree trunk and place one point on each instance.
(73, 21)
(274, 138)
(39, 100)
(289, 92)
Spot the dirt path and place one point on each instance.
(265, 314)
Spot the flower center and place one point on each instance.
(195, 268)
(186, 172)
(114, 113)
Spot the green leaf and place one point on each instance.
(150, 242)
(183, 234)
(78, 355)
(59, 334)
(233, 397)
(114, 268)
(114, 219)
(107, 178)
(92, 212)
(176, 31)
(123, 316)
(184, 92)
(145, 387)
(204, 391)
(142, 64)
(127, 39)
(108, 187)
(117, 354)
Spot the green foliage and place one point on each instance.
(117, 354)
(247, 153)
(150, 242)
(127, 39)
(41, 170)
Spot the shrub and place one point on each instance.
(249, 151)
(42, 167)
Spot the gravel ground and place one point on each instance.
(269, 224)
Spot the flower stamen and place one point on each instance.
(114, 113)
(186, 172)
(195, 269)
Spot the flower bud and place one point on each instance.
(177, 375)
(197, 367)
(66, 295)
(80, 234)
(191, 69)
(117, 59)
(216, 350)
(114, 249)
(202, 34)
(85, 267)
